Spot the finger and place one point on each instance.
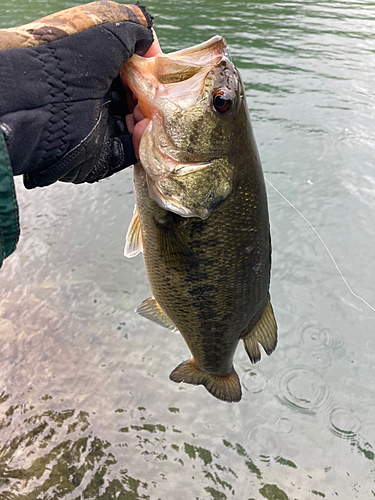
(139, 128)
(130, 100)
(138, 115)
(155, 47)
(125, 85)
(129, 120)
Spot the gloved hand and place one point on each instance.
(62, 105)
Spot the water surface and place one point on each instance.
(86, 407)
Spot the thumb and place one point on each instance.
(139, 128)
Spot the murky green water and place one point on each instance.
(86, 407)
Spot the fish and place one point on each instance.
(201, 216)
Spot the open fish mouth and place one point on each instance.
(149, 76)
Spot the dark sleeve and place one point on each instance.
(9, 225)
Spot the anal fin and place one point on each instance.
(133, 244)
(263, 333)
(151, 310)
(224, 387)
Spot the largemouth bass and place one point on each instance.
(201, 215)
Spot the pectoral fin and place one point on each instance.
(171, 243)
(151, 310)
(224, 387)
(264, 333)
(133, 244)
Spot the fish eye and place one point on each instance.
(222, 102)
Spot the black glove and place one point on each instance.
(62, 105)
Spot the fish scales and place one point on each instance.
(209, 272)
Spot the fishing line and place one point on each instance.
(325, 246)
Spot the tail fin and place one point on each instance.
(224, 387)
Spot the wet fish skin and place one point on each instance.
(210, 274)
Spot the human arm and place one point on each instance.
(63, 111)
(63, 103)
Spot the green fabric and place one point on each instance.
(9, 225)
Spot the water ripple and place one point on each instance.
(343, 423)
(302, 389)
(319, 359)
(315, 335)
(265, 442)
(284, 425)
(253, 381)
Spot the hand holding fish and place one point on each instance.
(135, 121)
(64, 112)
